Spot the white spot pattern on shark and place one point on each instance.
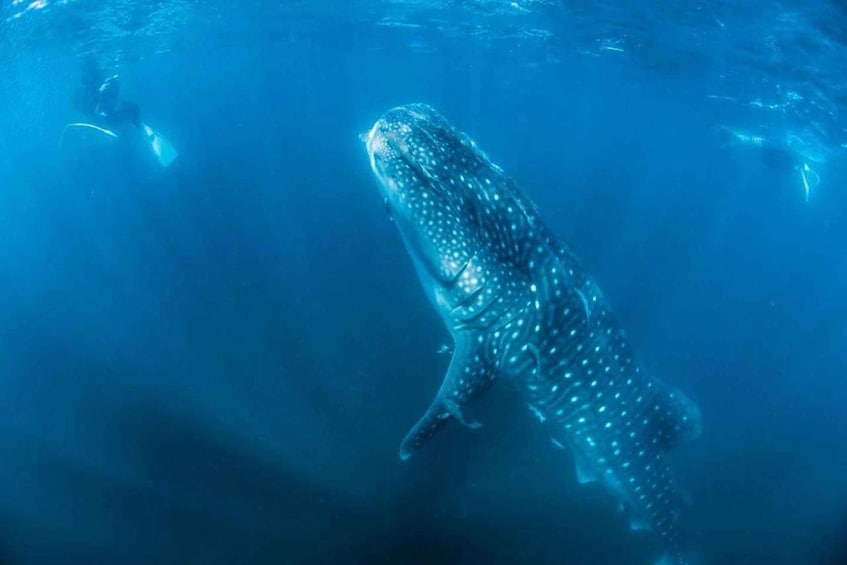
(520, 306)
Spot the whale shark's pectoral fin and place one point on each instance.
(454, 410)
(470, 374)
(639, 524)
(585, 471)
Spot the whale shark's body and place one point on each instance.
(520, 307)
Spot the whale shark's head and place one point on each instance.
(435, 182)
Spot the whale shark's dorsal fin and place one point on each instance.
(470, 373)
(675, 419)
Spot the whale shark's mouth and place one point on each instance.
(368, 139)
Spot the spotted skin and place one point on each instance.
(521, 308)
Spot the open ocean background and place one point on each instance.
(216, 362)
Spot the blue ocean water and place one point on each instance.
(215, 362)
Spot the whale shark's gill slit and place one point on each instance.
(470, 298)
(456, 277)
(536, 360)
(585, 304)
(475, 323)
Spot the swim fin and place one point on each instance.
(162, 148)
(84, 127)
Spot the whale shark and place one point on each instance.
(521, 308)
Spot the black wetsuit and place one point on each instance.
(778, 156)
(98, 100)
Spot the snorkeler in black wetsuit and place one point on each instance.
(99, 100)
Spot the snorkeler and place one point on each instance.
(99, 101)
(779, 154)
